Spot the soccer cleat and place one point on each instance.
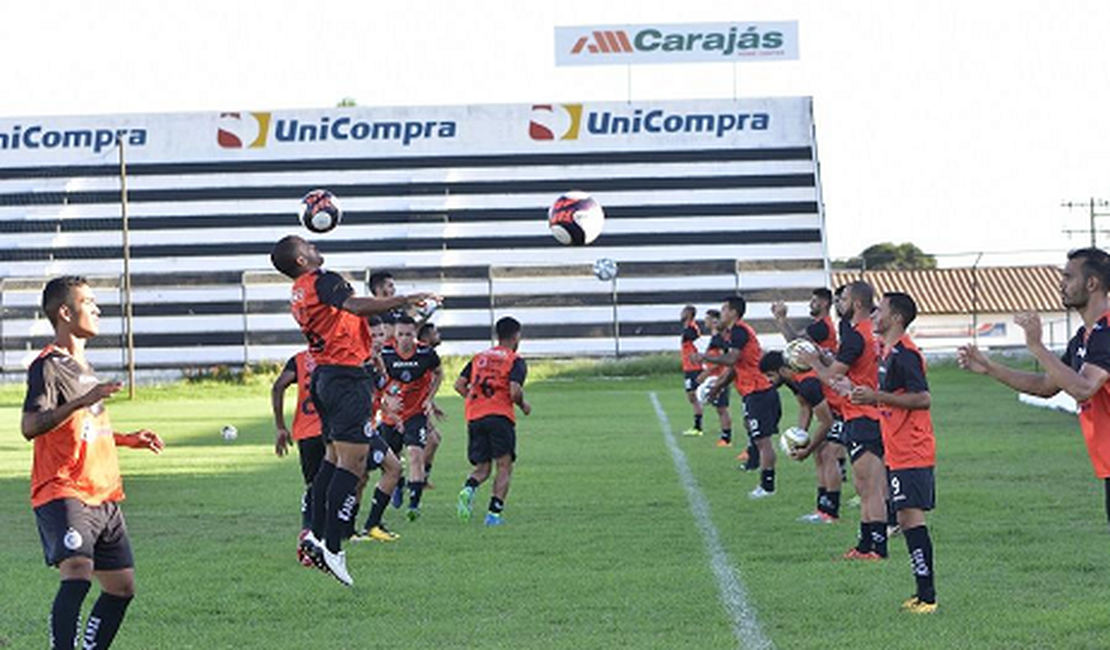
(398, 497)
(465, 505)
(893, 531)
(693, 432)
(377, 533)
(818, 517)
(312, 550)
(855, 554)
(336, 564)
(721, 442)
(493, 519)
(413, 514)
(303, 555)
(760, 493)
(917, 606)
(742, 456)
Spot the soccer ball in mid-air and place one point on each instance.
(793, 438)
(605, 269)
(704, 388)
(575, 219)
(793, 351)
(229, 432)
(320, 211)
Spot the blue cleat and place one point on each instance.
(398, 497)
(493, 519)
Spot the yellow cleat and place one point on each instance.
(917, 606)
(693, 432)
(382, 534)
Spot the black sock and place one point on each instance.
(105, 619)
(348, 529)
(921, 560)
(320, 485)
(843, 463)
(66, 613)
(427, 472)
(697, 422)
(496, 505)
(377, 508)
(865, 543)
(416, 490)
(726, 435)
(306, 507)
(891, 516)
(472, 483)
(1108, 499)
(832, 504)
(767, 480)
(878, 538)
(821, 492)
(342, 499)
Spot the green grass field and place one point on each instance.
(600, 549)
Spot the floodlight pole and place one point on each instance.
(616, 321)
(1092, 205)
(128, 313)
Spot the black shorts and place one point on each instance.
(69, 528)
(416, 431)
(913, 488)
(391, 433)
(379, 449)
(863, 435)
(490, 438)
(311, 451)
(836, 433)
(762, 412)
(343, 396)
(690, 380)
(721, 401)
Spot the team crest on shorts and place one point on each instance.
(72, 540)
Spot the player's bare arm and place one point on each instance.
(779, 312)
(368, 306)
(141, 439)
(517, 393)
(462, 386)
(429, 405)
(1080, 385)
(817, 438)
(282, 438)
(919, 401)
(35, 424)
(972, 359)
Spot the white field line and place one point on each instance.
(733, 595)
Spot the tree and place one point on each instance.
(894, 257)
(347, 102)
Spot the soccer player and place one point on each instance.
(413, 373)
(762, 408)
(691, 367)
(721, 400)
(428, 335)
(857, 364)
(813, 401)
(1083, 370)
(903, 401)
(821, 330)
(491, 383)
(334, 323)
(75, 481)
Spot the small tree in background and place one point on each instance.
(891, 257)
(347, 102)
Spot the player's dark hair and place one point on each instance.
(1096, 262)
(375, 321)
(863, 292)
(377, 280)
(284, 255)
(902, 304)
(772, 361)
(58, 292)
(405, 319)
(506, 328)
(737, 304)
(823, 294)
(713, 313)
(425, 330)
(840, 291)
(690, 309)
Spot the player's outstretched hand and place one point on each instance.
(146, 439)
(1030, 322)
(972, 358)
(417, 299)
(282, 442)
(863, 395)
(101, 391)
(778, 310)
(525, 407)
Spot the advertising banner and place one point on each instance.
(738, 42)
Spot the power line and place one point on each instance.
(1092, 206)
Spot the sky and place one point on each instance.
(954, 125)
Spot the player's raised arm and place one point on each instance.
(34, 423)
(972, 359)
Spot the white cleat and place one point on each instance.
(336, 564)
(760, 493)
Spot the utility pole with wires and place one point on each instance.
(1092, 205)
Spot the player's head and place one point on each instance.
(840, 300)
(820, 302)
(381, 284)
(859, 299)
(428, 334)
(294, 256)
(712, 318)
(70, 305)
(896, 311)
(773, 366)
(688, 313)
(508, 332)
(1087, 273)
(377, 333)
(404, 332)
(733, 309)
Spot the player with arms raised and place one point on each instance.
(491, 383)
(75, 481)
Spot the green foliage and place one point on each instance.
(888, 256)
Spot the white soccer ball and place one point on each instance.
(605, 269)
(427, 308)
(319, 211)
(229, 433)
(575, 219)
(793, 438)
(793, 351)
(704, 388)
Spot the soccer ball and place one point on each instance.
(793, 351)
(575, 219)
(427, 308)
(605, 269)
(793, 438)
(320, 211)
(229, 433)
(704, 388)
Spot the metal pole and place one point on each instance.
(128, 313)
(616, 322)
(246, 320)
(492, 314)
(1094, 237)
(975, 300)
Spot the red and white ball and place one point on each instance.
(320, 211)
(575, 219)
